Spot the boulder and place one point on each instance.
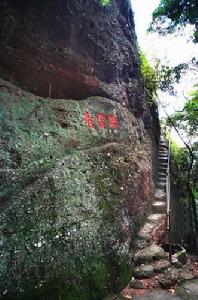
(161, 265)
(169, 278)
(75, 189)
(136, 284)
(143, 271)
(148, 254)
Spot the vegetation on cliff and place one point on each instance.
(171, 15)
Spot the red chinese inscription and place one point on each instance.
(88, 119)
(101, 120)
(113, 121)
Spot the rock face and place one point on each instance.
(73, 49)
(76, 175)
(72, 197)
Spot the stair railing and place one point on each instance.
(168, 199)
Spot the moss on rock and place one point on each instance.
(68, 197)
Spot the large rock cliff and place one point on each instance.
(76, 175)
(72, 49)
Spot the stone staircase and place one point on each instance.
(149, 258)
(152, 268)
(158, 215)
(159, 204)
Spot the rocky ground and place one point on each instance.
(164, 281)
(160, 280)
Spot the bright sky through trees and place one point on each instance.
(170, 49)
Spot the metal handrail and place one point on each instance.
(168, 198)
(168, 183)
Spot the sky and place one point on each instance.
(170, 49)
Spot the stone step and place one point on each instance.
(162, 178)
(164, 169)
(144, 235)
(163, 154)
(161, 181)
(160, 195)
(163, 148)
(163, 162)
(143, 271)
(149, 254)
(163, 165)
(162, 140)
(159, 207)
(154, 218)
(162, 145)
(163, 159)
(162, 174)
(161, 265)
(161, 186)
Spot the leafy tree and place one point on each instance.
(180, 163)
(171, 15)
(187, 120)
(159, 77)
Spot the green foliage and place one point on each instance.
(104, 2)
(167, 76)
(187, 119)
(185, 162)
(160, 77)
(150, 78)
(170, 15)
(180, 164)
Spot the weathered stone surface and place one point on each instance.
(169, 278)
(189, 290)
(149, 253)
(143, 271)
(136, 284)
(72, 49)
(159, 295)
(72, 198)
(185, 275)
(161, 265)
